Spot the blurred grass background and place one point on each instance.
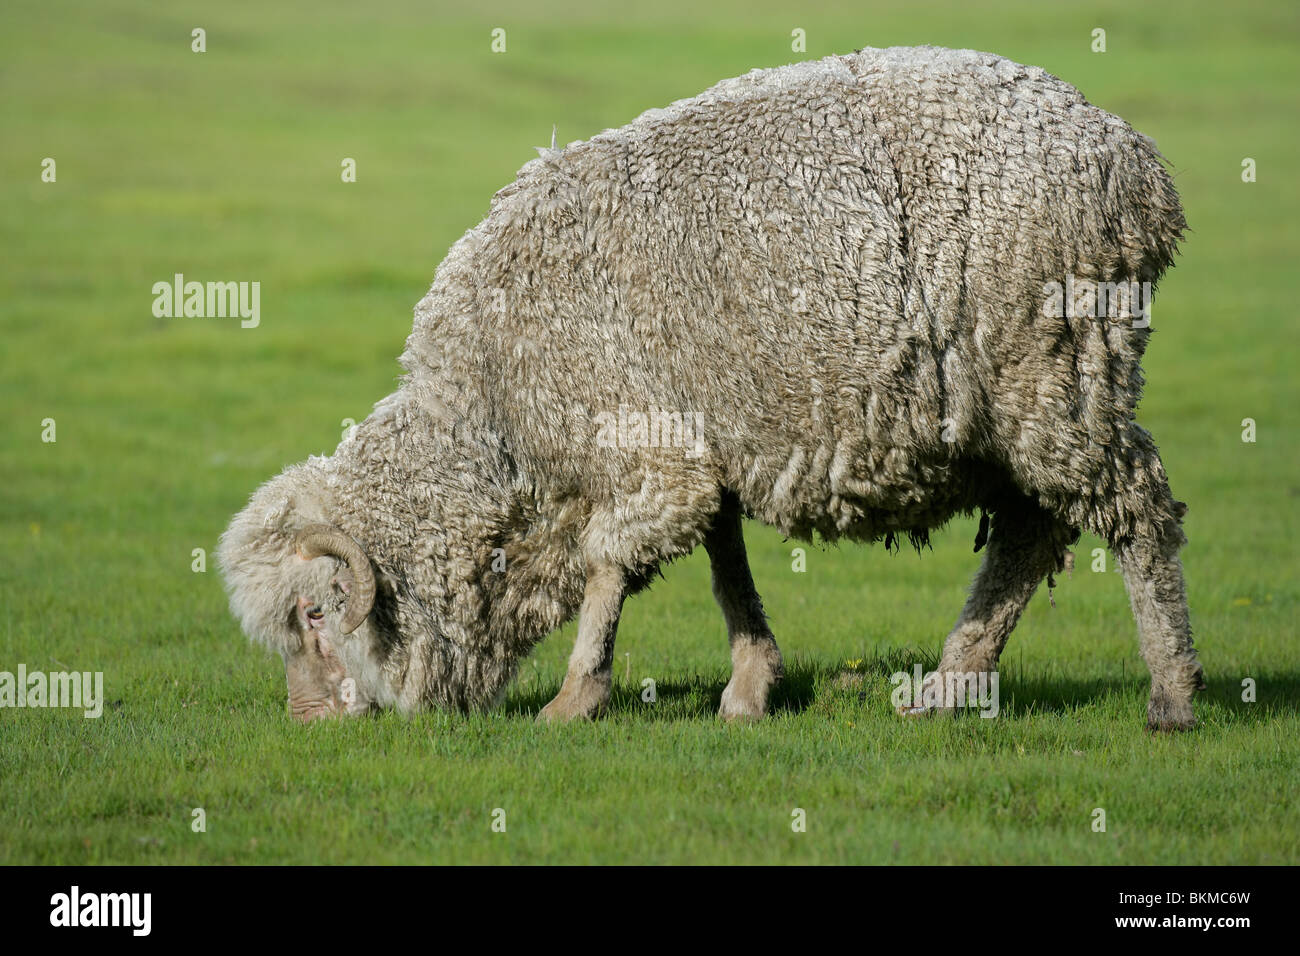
(225, 165)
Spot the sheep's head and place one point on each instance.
(305, 589)
(367, 611)
(319, 685)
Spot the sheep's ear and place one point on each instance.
(342, 582)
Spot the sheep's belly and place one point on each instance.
(849, 493)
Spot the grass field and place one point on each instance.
(226, 165)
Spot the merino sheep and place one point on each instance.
(838, 277)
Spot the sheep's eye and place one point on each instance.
(315, 613)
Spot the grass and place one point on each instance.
(225, 165)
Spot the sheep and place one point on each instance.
(844, 276)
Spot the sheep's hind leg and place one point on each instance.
(1025, 545)
(1153, 574)
(586, 688)
(1154, 578)
(755, 659)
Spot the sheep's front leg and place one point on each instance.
(586, 687)
(755, 659)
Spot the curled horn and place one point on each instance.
(319, 540)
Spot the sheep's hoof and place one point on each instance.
(1171, 726)
(918, 711)
(745, 703)
(1166, 715)
(737, 715)
(557, 712)
(586, 702)
(915, 712)
(756, 668)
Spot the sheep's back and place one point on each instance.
(839, 265)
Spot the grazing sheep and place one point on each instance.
(820, 295)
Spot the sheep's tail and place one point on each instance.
(1151, 219)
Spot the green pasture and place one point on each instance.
(226, 165)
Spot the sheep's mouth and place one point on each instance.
(320, 687)
(308, 710)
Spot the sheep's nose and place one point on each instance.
(307, 711)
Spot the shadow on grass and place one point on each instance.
(678, 698)
(867, 680)
(1025, 695)
(700, 695)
